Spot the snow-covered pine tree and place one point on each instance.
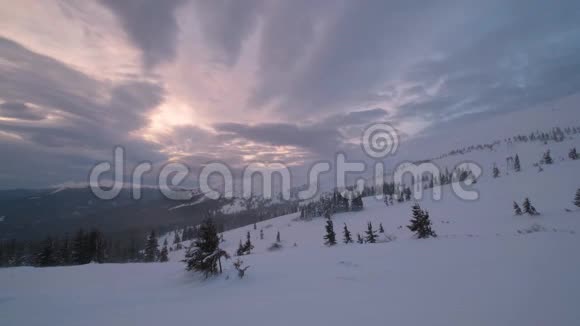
(495, 171)
(330, 237)
(346, 235)
(359, 238)
(547, 159)
(176, 238)
(529, 208)
(151, 248)
(248, 246)
(205, 255)
(370, 234)
(517, 209)
(381, 229)
(573, 155)
(577, 198)
(517, 166)
(420, 223)
(164, 255)
(240, 251)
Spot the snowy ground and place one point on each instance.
(487, 267)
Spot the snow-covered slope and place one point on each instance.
(487, 266)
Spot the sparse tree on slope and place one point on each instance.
(261, 234)
(370, 234)
(278, 237)
(420, 223)
(151, 248)
(346, 235)
(330, 237)
(517, 209)
(548, 158)
(577, 198)
(495, 171)
(205, 255)
(381, 229)
(517, 166)
(529, 208)
(248, 246)
(573, 155)
(359, 238)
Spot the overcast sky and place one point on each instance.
(240, 81)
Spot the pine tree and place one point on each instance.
(370, 234)
(529, 208)
(46, 256)
(65, 252)
(278, 237)
(163, 255)
(248, 246)
(359, 238)
(420, 223)
(517, 167)
(346, 235)
(495, 171)
(573, 155)
(381, 230)
(205, 255)
(240, 251)
(255, 226)
(517, 209)
(577, 198)
(330, 237)
(176, 238)
(548, 158)
(79, 250)
(261, 234)
(151, 248)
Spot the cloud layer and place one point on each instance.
(241, 81)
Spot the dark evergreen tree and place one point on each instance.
(80, 251)
(547, 158)
(577, 198)
(261, 234)
(420, 223)
(517, 209)
(176, 238)
(346, 235)
(573, 155)
(205, 255)
(255, 226)
(278, 236)
(517, 166)
(163, 255)
(47, 254)
(248, 246)
(495, 171)
(381, 230)
(359, 238)
(240, 251)
(370, 234)
(65, 252)
(357, 203)
(529, 208)
(330, 237)
(151, 248)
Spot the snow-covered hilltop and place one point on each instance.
(486, 267)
